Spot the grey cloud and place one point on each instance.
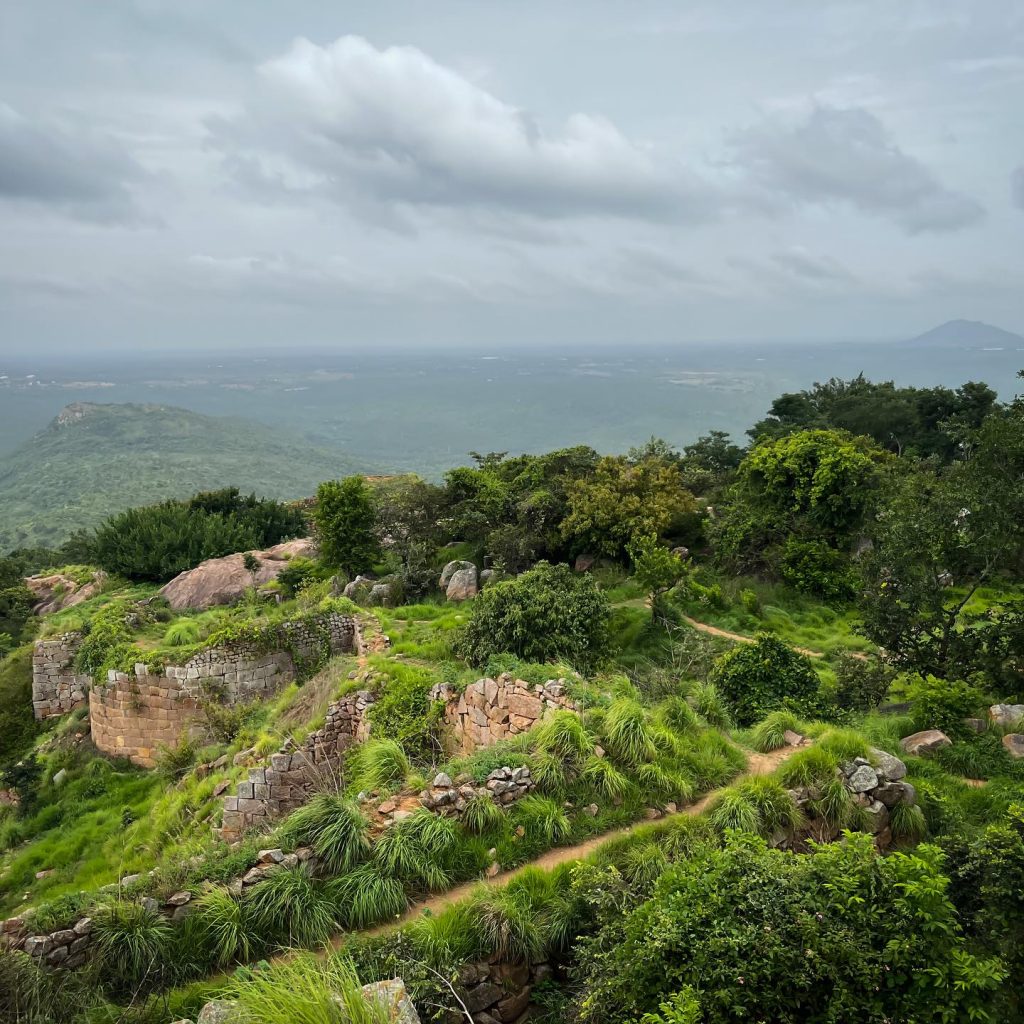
(394, 126)
(847, 156)
(78, 171)
(1017, 187)
(810, 266)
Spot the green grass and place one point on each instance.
(334, 827)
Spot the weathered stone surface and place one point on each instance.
(888, 764)
(793, 739)
(863, 778)
(926, 742)
(463, 585)
(225, 580)
(525, 706)
(451, 569)
(483, 996)
(1014, 743)
(976, 725)
(392, 995)
(220, 1011)
(1006, 716)
(55, 592)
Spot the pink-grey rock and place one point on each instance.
(921, 744)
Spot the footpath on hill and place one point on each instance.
(757, 764)
(703, 627)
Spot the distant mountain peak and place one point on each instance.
(969, 334)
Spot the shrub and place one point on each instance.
(542, 816)
(627, 733)
(481, 814)
(173, 762)
(344, 519)
(814, 567)
(757, 678)
(219, 923)
(334, 827)
(548, 613)
(404, 711)
(861, 682)
(941, 703)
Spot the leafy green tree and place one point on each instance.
(816, 486)
(344, 521)
(620, 501)
(655, 567)
(760, 935)
(16, 599)
(760, 677)
(549, 613)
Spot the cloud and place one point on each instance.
(1017, 187)
(807, 266)
(393, 126)
(81, 172)
(846, 156)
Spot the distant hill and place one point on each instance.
(968, 334)
(93, 460)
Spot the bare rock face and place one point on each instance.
(56, 592)
(451, 569)
(224, 580)
(1014, 743)
(463, 585)
(921, 744)
(1006, 716)
(392, 997)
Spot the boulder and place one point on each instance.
(793, 739)
(359, 589)
(921, 744)
(489, 576)
(391, 995)
(451, 569)
(462, 585)
(385, 593)
(225, 580)
(976, 725)
(1006, 716)
(888, 764)
(863, 778)
(55, 591)
(584, 563)
(1014, 743)
(219, 1011)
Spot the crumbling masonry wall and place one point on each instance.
(57, 689)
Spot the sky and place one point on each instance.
(201, 174)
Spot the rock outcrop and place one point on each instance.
(55, 592)
(1014, 743)
(459, 580)
(225, 580)
(921, 744)
(1006, 716)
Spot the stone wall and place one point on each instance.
(491, 710)
(67, 948)
(136, 712)
(294, 774)
(57, 689)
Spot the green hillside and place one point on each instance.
(93, 460)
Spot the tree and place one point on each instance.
(758, 678)
(655, 567)
(344, 520)
(813, 486)
(620, 501)
(548, 613)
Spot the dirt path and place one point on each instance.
(703, 627)
(757, 764)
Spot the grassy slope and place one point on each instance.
(101, 458)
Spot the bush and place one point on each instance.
(813, 567)
(760, 677)
(131, 945)
(344, 520)
(156, 542)
(547, 614)
(941, 703)
(404, 711)
(861, 683)
(173, 762)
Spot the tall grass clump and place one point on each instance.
(378, 764)
(292, 907)
(564, 736)
(844, 744)
(769, 733)
(604, 778)
(334, 827)
(131, 944)
(367, 896)
(449, 939)
(709, 704)
(183, 633)
(418, 850)
(758, 805)
(813, 766)
(526, 919)
(172, 763)
(219, 923)
(542, 816)
(305, 990)
(627, 733)
(481, 814)
(907, 823)
(674, 713)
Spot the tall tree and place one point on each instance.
(344, 520)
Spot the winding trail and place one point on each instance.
(703, 627)
(757, 764)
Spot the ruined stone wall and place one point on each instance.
(294, 774)
(66, 948)
(135, 713)
(57, 689)
(491, 710)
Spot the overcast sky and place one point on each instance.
(236, 172)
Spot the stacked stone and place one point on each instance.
(57, 689)
(292, 776)
(503, 786)
(499, 993)
(877, 786)
(66, 948)
(491, 710)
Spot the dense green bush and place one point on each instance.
(17, 725)
(549, 613)
(760, 677)
(761, 935)
(941, 703)
(344, 521)
(156, 542)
